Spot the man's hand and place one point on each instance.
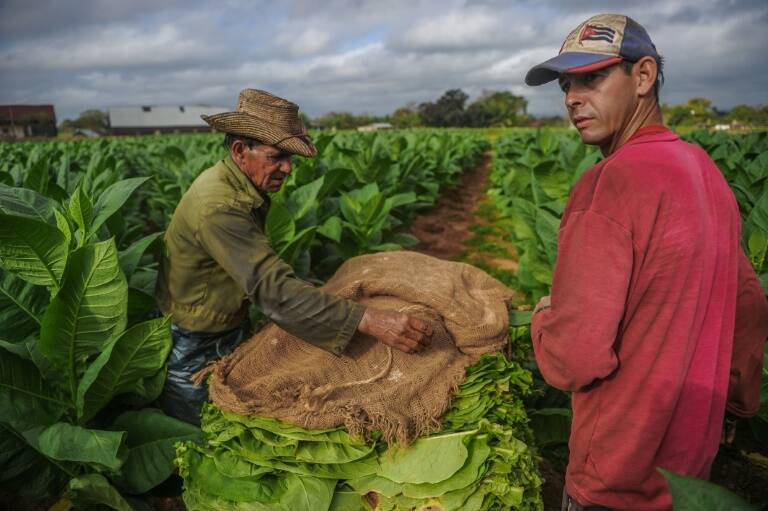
(544, 303)
(729, 429)
(396, 329)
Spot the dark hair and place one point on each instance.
(627, 65)
(231, 138)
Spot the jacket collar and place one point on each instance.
(242, 183)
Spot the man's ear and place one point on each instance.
(646, 71)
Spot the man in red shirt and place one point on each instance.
(657, 321)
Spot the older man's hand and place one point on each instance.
(396, 329)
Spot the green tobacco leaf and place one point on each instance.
(26, 203)
(307, 493)
(205, 475)
(137, 353)
(374, 483)
(299, 244)
(520, 318)
(19, 349)
(174, 156)
(130, 257)
(691, 494)
(403, 199)
(151, 436)
(428, 460)
(280, 226)
(95, 489)
(66, 442)
(331, 229)
(63, 224)
(25, 398)
(347, 501)
(33, 250)
(141, 306)
(304, 198)
(90, 308)
(552, 426)
(147, 389)
(465, 476)
(81, 211)
(405, 240)
(26, 472)
(21, 308)
(113, 199)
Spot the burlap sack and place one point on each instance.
(372, 387)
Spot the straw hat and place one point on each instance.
(267, 118)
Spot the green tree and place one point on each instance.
(497, 109)
(344, 120)
(93, 119)
(448, 110)
(406, 117)
(750, 115)
(697, 112)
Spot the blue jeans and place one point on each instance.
(191, 352)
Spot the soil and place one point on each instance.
(444, 229)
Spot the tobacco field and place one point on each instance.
(82, 349)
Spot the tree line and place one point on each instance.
(492, 109)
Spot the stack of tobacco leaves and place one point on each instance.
(481, 460)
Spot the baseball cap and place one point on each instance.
(599, 42)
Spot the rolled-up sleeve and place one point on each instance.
(574, 340)
(239, 245)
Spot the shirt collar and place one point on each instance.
(243, 183)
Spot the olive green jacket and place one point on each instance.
(218, 257)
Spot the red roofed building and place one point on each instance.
(22, 121)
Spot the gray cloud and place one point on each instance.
(355, 55)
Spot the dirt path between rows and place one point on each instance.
(444, 228)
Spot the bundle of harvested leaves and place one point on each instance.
(482, 460)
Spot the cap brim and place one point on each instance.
(246, 125)
(569, 62)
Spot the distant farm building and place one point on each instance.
(23, 121)
(144, 120)
(375, 127)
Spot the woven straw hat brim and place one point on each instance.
(251, 126)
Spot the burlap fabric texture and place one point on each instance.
(371, 387)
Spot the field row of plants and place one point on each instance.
(82, 354)
(533, 173)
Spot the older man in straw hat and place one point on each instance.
(657, 321)
(218, 258)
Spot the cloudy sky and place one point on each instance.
(351, 55)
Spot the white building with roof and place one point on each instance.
(140, 120)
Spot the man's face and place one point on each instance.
(600, 103)
(266, 166)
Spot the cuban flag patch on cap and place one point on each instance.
(597, 33)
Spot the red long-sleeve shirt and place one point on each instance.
(649, 288)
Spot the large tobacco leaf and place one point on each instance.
(25, 398)
(137, 353)
(66, 442)
(90, 308)
(26, 471)
(151, 436)
(34, 250)
(691, 494)
(26, 203)
(21, 308)
(428, 460)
